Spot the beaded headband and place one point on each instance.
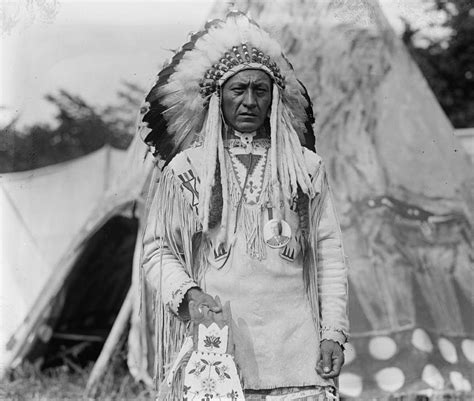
(239, 56)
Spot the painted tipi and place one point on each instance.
(404, 190)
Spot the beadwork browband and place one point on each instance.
(239, 55)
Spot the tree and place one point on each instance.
(448, 63)
(80, 129)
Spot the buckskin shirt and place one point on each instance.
(276, 340)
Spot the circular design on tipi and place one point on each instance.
(421, 340)
(382, 348)
(432, 377)
(459, 382)
(467, 347)
(448, 350)
(350, 384)
(390, 379)
(349, 353)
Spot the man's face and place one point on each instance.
(246, 98)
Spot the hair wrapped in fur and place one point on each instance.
(175, 109)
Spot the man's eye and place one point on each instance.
(238, 91)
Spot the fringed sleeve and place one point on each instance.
(167, 260)
(167, 242)
(330, 286)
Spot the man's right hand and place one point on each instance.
(206, 310)
(200, 303)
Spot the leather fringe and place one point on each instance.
(170, 331)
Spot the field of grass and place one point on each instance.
(62, 383)
(68, 382)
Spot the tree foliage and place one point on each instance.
(448, 63)
(79, 128)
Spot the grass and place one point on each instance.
(63, 383)
(68, 382)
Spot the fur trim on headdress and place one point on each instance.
(176, 107)
(213, 148)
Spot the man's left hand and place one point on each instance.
(331, 359)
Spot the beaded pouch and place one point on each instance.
(211, 373)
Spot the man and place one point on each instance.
(228, 118)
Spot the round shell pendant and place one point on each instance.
(276, 233)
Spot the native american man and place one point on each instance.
(232, 126)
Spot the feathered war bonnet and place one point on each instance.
(183, 107)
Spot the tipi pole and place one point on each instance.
(118, 328)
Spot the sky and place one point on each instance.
(89, 47)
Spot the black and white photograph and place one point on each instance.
(250, 200)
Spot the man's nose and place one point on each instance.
(249, 99)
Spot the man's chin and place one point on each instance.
(246, 128)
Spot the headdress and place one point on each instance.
(183, 106)
(176, 107)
